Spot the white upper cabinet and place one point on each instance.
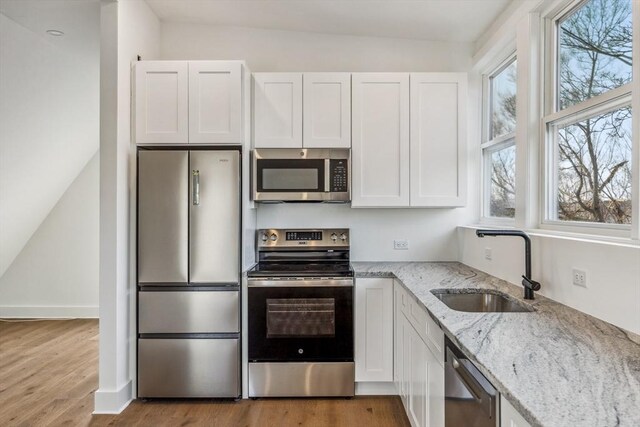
(380, 139)
(161, 102)
(277, 114)
(438, 118)
(326, 110)
(188, 102)
(215, 102)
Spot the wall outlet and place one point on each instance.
(487, 254)
(402, 245)
(579, 278)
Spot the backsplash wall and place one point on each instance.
(431, 232)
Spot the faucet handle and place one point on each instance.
(531, 284)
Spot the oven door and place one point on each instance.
(300, 320)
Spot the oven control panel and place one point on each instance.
(278, 238)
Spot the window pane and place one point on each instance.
(503, 101)
(595, 50)
(594, 169)
(503, 183)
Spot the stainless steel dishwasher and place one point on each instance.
(470, 399)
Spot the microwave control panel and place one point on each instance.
(338, 172)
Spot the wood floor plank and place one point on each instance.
(49, 373)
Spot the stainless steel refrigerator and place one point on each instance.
(188, 268)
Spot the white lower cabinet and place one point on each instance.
(374, 330)
(420, 372)
(509, 416)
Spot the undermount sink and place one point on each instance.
(480, 301)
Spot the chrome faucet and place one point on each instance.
(529, 284)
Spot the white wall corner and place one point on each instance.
(113, 401)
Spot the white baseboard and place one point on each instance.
(112, 401)
(48, 312)
(376, 389)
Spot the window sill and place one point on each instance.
(554, 234)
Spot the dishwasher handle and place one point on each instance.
(474, 381)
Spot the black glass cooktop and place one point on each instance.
(301, 269)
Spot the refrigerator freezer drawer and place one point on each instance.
(188, 368)
(188, 312)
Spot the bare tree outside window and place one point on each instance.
(502, 161)
(594, 154)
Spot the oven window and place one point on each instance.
(301, 317)
(290, 179)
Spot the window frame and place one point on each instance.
(489, 146)
(553, 117)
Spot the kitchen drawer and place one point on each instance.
(188, 368)
(428, 330)
(188, 312)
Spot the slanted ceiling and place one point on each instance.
(461, 21)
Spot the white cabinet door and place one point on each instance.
(215, 102)
(161, 102)
(418, 391)
(435, 391)
(397, 338)
(277, 115)
(326, 110)
(374, 330)
(380, 140)
(424, 379)
(438, 135)
(509, 416)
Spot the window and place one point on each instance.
(498, 150)
(588, 118)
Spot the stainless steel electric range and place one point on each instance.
(301, 314)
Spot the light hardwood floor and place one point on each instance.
(49, 372)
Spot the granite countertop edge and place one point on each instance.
(531, 357)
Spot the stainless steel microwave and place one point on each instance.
(301, 175)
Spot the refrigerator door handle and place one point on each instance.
(196, 187)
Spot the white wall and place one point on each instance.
(49, 112)
(56, 273)
(431, 232)
(129, 28)
(271, 50)
(613, 271)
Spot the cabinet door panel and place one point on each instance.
(419, 379)
(161, 102)
(327, 110)
(277, 107)
(380, 140)
(509, 416)
(215, 102)
(437, 139)
(374, 330)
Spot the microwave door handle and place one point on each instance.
(327, 177)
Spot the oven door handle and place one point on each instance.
(297, 283)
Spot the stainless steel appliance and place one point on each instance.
(300, 314)
(301, 175)
(188, 272)
(470, 399)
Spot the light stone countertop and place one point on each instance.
(557, 366)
